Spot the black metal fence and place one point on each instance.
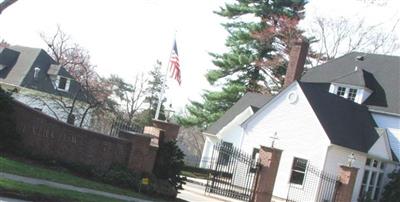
(120, 124)
(316, 185)
(232, 172)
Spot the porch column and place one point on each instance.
(347, 181)
(269, 163)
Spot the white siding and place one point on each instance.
(207, 152)
(394, 140)
(337, 156)
(299, 131)
(381, 148)
(386, 121)
(392, 125)
(233, 132)
(49, 106)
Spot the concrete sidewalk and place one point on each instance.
(35, 181)
(4, 199)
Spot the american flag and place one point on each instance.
(174, 64)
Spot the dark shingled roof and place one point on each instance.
(379, 73)
(358, 77)
(346, 123)
(20, 62)
(253, 100)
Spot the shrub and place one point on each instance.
(169, 164)
(392, 189)
(8, 135)
(121, 176)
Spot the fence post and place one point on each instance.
(265, 181)
(347, 180)
(171, 130)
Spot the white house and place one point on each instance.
(38, 81)
(350, 105)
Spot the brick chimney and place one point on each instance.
(297, 58)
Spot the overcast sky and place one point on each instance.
(126, 37)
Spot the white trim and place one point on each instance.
(382, 112)
(350, 86)
(67, 83)
(266, 106)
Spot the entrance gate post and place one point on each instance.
(269, 163)
(347, 181)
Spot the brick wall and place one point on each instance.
(47, 137)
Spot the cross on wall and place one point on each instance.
(274, 138)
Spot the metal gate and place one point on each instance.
(120, 124)
(232, 172)
(317, 185)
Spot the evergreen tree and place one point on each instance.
(392, 189)
(260, 34)
(8, 135)
(169, 163)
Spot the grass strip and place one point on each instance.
(45, 193)
(23, 169)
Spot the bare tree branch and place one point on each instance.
(341, 35)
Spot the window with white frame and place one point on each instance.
(352, 94)
(63, 83)
(341, 91)
(371, 185)
(298, 171)
(348, 93)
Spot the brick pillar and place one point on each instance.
(142, 155)
(297, 58)
(269, 160)
(157, 133)
(171, 130)
(344, 191)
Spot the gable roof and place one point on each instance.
(346, 123)
(379, 73)
(21, 66)
(20, 62)
(253, 100)
(359, 77)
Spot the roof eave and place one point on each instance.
(383, 112)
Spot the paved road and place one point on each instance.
(195, 193)
(192, 192)
(34, 181)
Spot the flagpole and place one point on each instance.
(164, 84)
(161, 96)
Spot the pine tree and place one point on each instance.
(391, 191)
(260, 34)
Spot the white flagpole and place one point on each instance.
(161, 96)
(164, 84)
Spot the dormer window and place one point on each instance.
(63, 83)
(348, 93)
(341, 91)
(352, 94)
